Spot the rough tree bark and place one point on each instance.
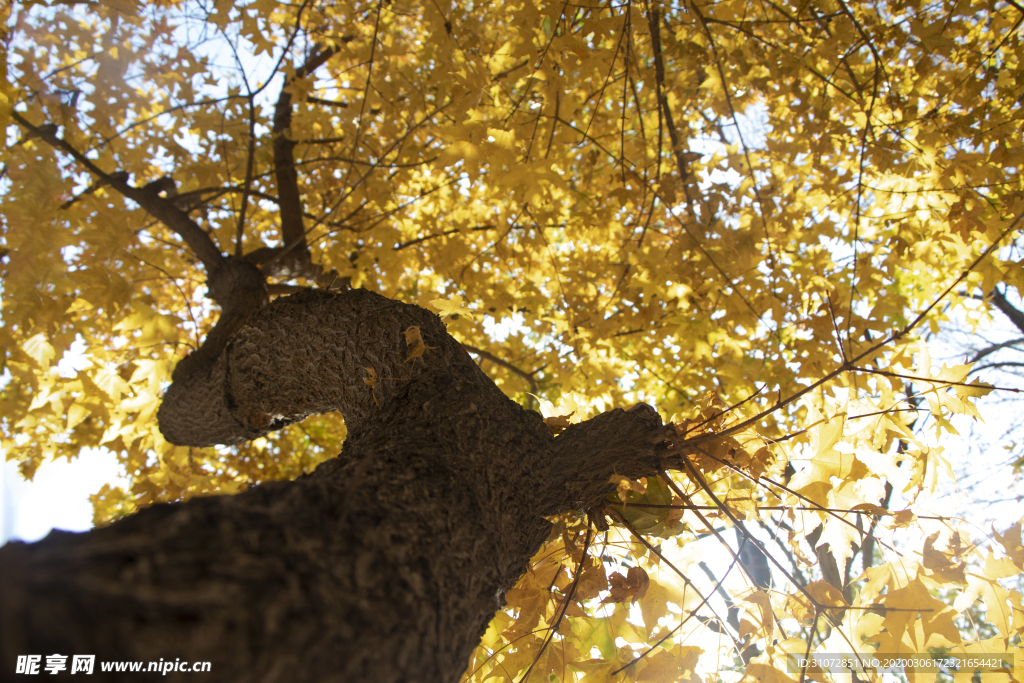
(385, 564)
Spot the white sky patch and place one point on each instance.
(500, 331)
(74, 360)
(57, 497)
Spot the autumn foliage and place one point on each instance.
(743, 213)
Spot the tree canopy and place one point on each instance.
(742, 213)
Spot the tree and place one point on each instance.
(738, 212)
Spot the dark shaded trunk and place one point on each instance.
(386, 564)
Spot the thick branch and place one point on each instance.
(318, 352)
(528, 376)
(241, 290)
(288, 197)
(310, 353)
(1015, 315)
(293, 231)
(995, 347)
(654, 22)
(627, 442)
(160, 208)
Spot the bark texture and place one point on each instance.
(384, 565)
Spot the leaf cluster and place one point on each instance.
(701, 206)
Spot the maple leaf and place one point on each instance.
(593, 581)
(673, 666)
(453, 306)
(905, 632)
(632, 586)
(675, 515)
(760, 608)
(415, 340)
(624, 485)
(902, 518)
(758, 672)
(943, 565)
(1011, 542)
(371, 381)
(825, 594)
(996, 598)
(558, 418)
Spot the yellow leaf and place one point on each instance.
(764, 673)
(593, 581)
(600, 670)
(1003, 568)
(826, 461)
(891, 575)
(502, 138)
(413, 338)
(825, 594)
(675, 515)
(451, 306)
(654, 604)
(110, 383)
(1017, 604)
(567, 406)
(996, 599)
(624, 485)
(371, 381)
(798, 607)
(632, 586)
(872, 508)
(762, 612)
(904, 632)
(677, 666)
(941, 565)
(991, 649)
(152, 327)
(76, 413)
(841, 538)
(1011, 542)
(460, 150)
(903, 518)
(39, 349)
(79, 304)
(530, 597)
(557, 424)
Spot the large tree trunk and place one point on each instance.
(386, 564)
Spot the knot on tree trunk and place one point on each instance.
(285, 262)
(238, 286)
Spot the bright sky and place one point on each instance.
(57, 498)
